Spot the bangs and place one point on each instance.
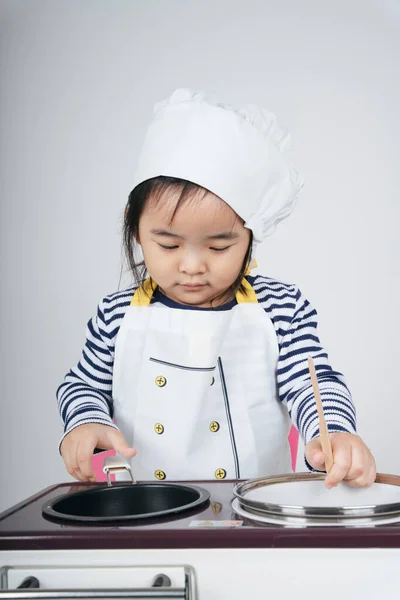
(177, 192)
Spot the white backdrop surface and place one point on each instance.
(78, 83)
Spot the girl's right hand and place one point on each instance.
(78, 445)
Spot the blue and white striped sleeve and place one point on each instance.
(298, 342)
(85, 396)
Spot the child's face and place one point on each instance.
(200, 254)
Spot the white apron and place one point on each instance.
(195, 391)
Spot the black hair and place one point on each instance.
(155, 188)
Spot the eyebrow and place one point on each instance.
(224, 235)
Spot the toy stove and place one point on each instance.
(208, 553)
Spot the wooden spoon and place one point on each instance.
(323, 429)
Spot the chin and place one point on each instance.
(193, 298)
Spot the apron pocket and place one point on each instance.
(184, 367)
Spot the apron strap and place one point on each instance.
(144, 293)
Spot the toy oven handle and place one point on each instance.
(161, 589)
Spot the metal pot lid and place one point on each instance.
(304, 496)
(306, 522)
(126, 502)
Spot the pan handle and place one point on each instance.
(115, 464)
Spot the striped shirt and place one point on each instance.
(85, 396)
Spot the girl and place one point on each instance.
(198, 370)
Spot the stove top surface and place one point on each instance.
(215, 525)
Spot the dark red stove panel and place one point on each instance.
(23, 527)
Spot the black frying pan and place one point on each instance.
(127, 502)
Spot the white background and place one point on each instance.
(78, 83)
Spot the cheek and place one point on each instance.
(240, 254)
(151, 252)
(235, 262)
(157, 259)
(151, 255)
(230, 264)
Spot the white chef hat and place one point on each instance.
(239, 155)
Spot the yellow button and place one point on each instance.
(214, 426)
(161, 381)
(159, 474)
(220, 473)
(158, 428)
(212, 381)
(216, 507)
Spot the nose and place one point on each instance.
(192, 263)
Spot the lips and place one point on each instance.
(193, 286)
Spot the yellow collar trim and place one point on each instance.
(144, 294)
(250, 295)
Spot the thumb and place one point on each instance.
(314, 455)
(119, 444)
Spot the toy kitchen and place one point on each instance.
(272, 537)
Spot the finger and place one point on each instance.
(119, 444)
(366, 480)
(78, 475)
(363, 470)
(373, 470)
(371, 476)
(74, 468)
(358, 465)
(317, 460)
(314, 455)
(342, 461)
(127, 452)
(69, 456)
(84, 457)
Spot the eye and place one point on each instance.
(168, 247)
(220, 249)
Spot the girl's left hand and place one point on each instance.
(352, 460)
